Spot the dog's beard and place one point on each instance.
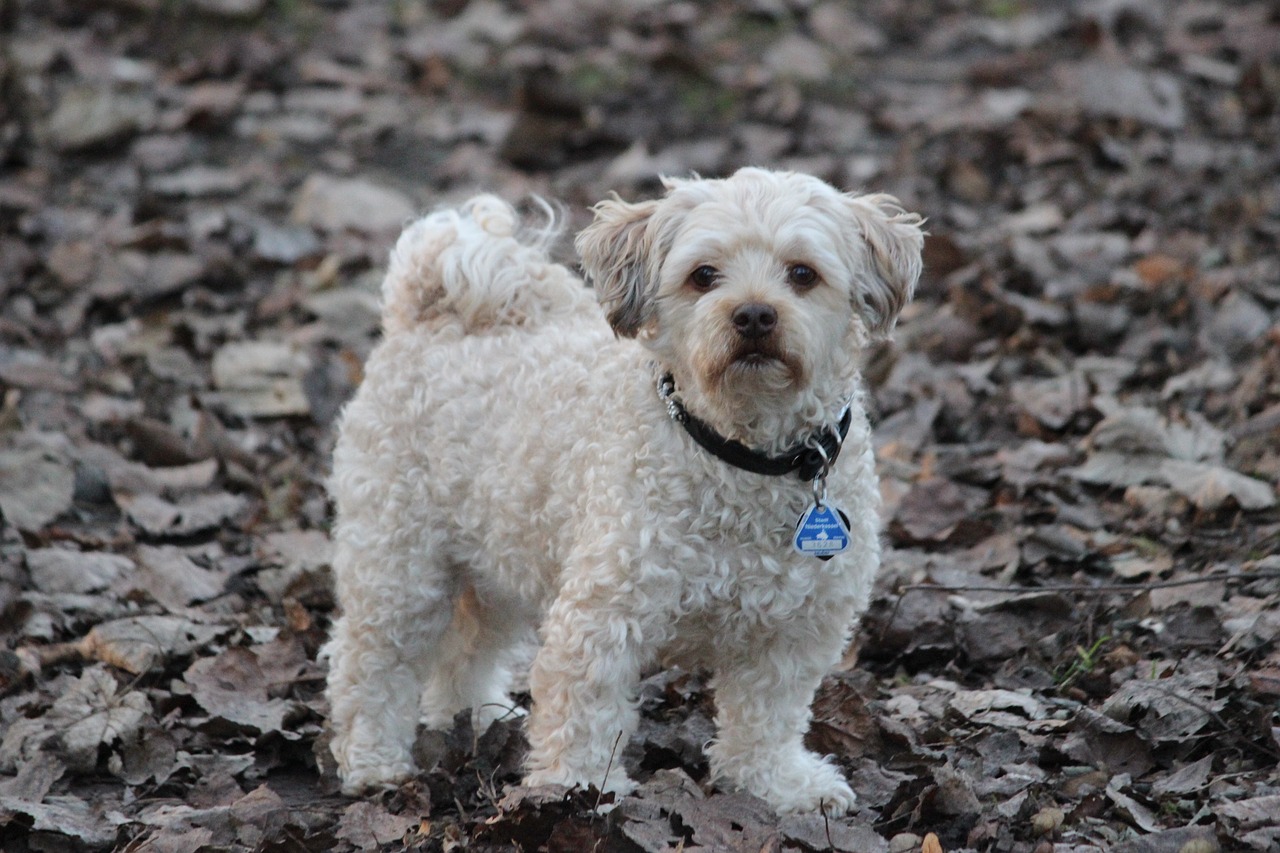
(733, 367)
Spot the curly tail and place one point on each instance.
(476, 265)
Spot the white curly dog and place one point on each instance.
(631, 489)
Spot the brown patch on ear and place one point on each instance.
(617, 251)
(894, 244)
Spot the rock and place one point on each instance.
(341, 204)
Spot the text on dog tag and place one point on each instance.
(823, 532)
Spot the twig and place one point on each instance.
(1078, 589)
(1217, 718)
(607, 768)
(1212, 577)
(513, 710)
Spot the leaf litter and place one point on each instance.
(1073, 642)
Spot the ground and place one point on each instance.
(1073, 643)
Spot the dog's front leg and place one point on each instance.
(762, 714)
(583, 683)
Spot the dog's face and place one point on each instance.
(757, 284)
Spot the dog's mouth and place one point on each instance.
(755, 360)
(759, 358)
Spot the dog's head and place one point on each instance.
(760, 283)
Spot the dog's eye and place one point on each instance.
(704, 277)
(802, 275)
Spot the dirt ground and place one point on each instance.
(1073, 642)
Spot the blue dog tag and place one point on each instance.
(822, 532)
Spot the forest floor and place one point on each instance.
(1073, 641)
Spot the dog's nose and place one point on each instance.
(755, 319)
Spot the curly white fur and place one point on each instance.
(507, 467)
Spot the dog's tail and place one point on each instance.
(477, 265)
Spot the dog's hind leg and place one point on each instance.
(473, 667)
(379, 658)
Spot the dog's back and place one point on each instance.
(477, 268)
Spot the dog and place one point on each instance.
(654, 483)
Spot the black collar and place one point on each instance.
(809, 459)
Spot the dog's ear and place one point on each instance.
(894, 242)
(617, 251)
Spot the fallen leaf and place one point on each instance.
(367, 824)
(89, 824)
(55, 570)
(1251, 813)
(337, 204)
(168, 575)
(1141, 816)
(1185, 780)
(36, 486)
(138, 643)
(1211, 486)
(971, 704)
(1173, 708)
(233, 687)
(160, 517)
(94, 712)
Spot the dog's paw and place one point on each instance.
(358, 781)
(833, 796)
(617, 783)
(802, 782)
